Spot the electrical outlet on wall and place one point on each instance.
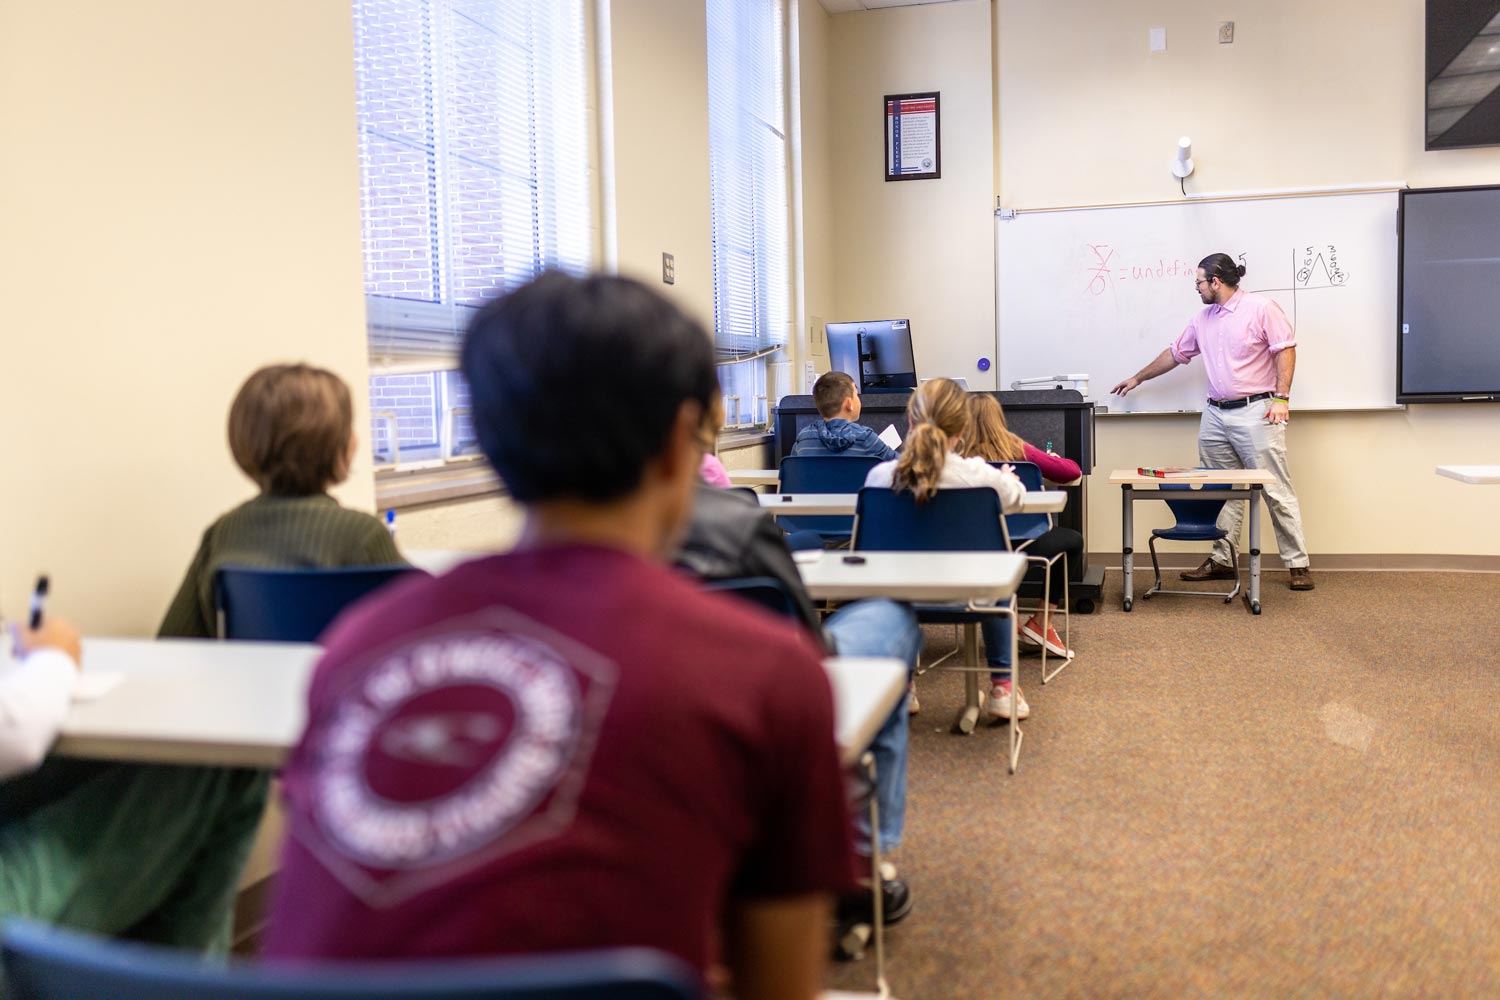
(1226, 32)
(1158, 39)
(668, 268)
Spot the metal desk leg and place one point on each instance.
(1255, 493)
(1015, 688)
(1127, 553)
(973, 693)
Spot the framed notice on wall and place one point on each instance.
(913, 147)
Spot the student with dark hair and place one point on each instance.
(938, 421)
(1250, 354)
(571, 744)
(149, 852)
(291, 430)
(837, 400)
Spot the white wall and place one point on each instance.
(180, 205)
(921, 249)
(1308, 95)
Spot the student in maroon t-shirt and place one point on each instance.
(571, 746)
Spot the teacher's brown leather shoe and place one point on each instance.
(1301, 579)
(1210, 570)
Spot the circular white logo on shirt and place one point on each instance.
(445, 746)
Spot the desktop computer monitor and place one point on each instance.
(877, 354)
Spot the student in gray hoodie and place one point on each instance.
(837, 400)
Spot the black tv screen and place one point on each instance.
(1463, 73)
(1448, 347)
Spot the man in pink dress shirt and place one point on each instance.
(1250, 352)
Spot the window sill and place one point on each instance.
(397, 490)
(735, 440)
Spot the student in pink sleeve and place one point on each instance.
(990, 439)
(712, 470)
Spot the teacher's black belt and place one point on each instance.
(1235, 404)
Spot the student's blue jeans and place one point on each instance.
(882, 628)
(996, 630)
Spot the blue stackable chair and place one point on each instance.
(823, 474)
(765, 591)
(291, 605)
(955, 520)
(1197, 521)
(48, 964)
(1022, 530)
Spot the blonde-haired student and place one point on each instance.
(991, 439)
(291, 430)
(932, 459)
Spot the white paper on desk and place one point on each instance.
(890, 436)
(92, 684)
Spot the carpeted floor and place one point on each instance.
(1210, 804)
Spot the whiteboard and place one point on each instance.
(1102, 291)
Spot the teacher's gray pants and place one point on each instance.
(1241, 439)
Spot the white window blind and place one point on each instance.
(473, 147)
(474, 167)
(748, 188)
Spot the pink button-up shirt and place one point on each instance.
(1238, 341)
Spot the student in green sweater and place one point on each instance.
(291, 429)
(155, 852)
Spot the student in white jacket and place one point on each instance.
(937, 418)
(35, 687)
(149, 852)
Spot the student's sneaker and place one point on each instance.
(1053, 642)
(912, 705)
(1002, 705)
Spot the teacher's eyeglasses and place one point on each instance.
(1200, 282)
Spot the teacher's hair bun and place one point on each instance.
(1240, 270)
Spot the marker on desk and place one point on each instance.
(38, 603)
(390, 522)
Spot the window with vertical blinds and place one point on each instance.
(748, 187)
(474, 163)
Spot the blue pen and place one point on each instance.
(390, 521)
(38, 602)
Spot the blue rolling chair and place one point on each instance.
(823, 474)
(1022, 530)
(765, 591)
(47, 964)
(1197, 521)
(291, 605)
(957, 520)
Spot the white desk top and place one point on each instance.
(1230, 477)
(1477, 474)
(243, 704)
(935, 577)
(192, 701)
(809, 503)
(1035, 502)
(754, 477)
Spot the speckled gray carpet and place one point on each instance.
(1210, 804)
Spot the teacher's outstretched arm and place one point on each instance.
(1163, 363)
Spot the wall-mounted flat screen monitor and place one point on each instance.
(1448, 329)
(1463, 64)
(877, 354)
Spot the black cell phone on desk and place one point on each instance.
(855, 560)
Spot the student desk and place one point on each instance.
(755, 477)
(1479, 475)
(976, 579)
(243, 704)
(1245, 484)
(1035, 502)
